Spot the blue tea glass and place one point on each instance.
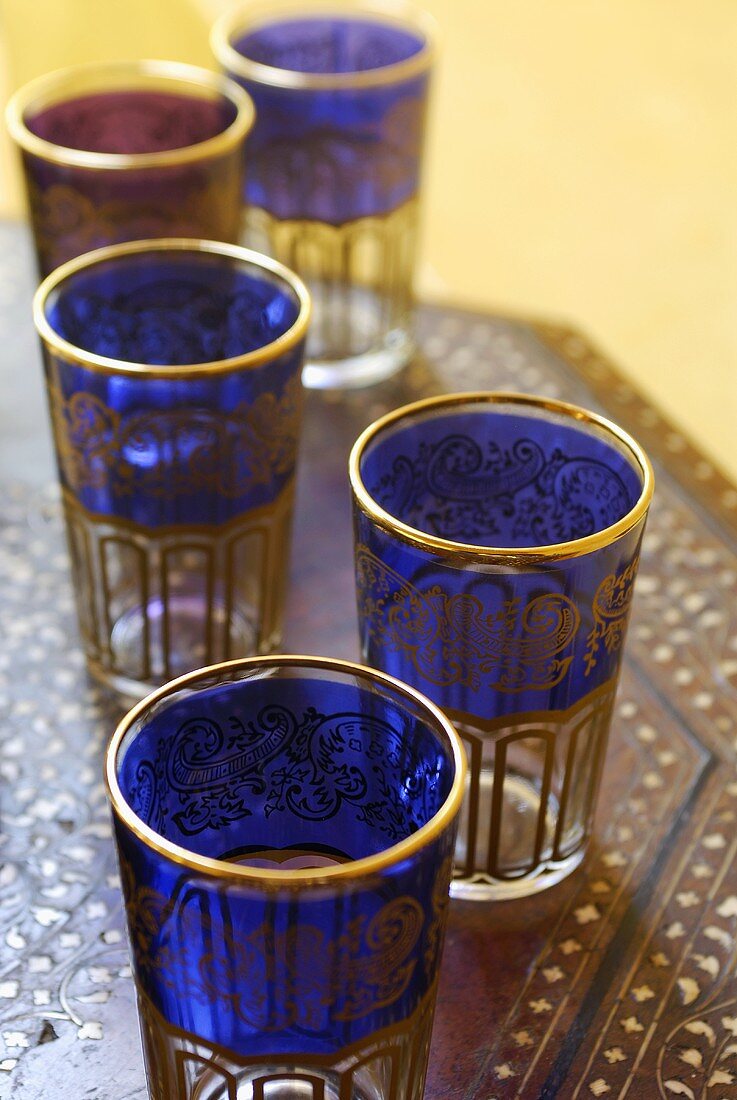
(497, 538)
(285, 830)
(333, 167)
(121, 151)
(173, 377)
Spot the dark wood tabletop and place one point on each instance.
(618, 982)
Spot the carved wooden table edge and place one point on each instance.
(681, 1068)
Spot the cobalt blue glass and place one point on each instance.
(173, 378)
(285, 830)
(122, 151)
(333, 167)
(497, 538)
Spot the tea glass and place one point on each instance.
(497, 539)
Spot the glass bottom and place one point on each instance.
(381, 1065)
(505, 846)
(279, 1083)
(531, 789)
(365, 369)
(188, 615)
(480, 887)
(155, 602)
(359, 274)
(141, 629)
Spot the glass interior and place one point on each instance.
(131, 121)
(508, 476)
(329, 44)
(172, 308)
(290, 769)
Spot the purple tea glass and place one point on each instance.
(128, 151)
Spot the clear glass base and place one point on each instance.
(278, 1083)
(506, 838)
(177, 633)
(359, 274)
(141, 630)
(480, 887)
(155, 602)
(365, 369)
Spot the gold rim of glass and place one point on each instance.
(232, 25)
(105, 365)
(79, 80)
(501, 555)
(302, 877)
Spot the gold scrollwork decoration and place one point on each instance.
(86, 431)
(325, 167)
(261, 975)
(379, 978)
(611, 607)
(451, 640)
(67, 222)
(176, 451)
(440, 901)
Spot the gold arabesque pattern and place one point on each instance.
(440, 902)
(259, 975)
(500, 555)
(611, 610)
(449, 639)
(268, 879)
(94, 441)
(57, 346)
(66, 221)
(676, 900)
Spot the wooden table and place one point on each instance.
(618, 982)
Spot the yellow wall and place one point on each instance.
(582, 165)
